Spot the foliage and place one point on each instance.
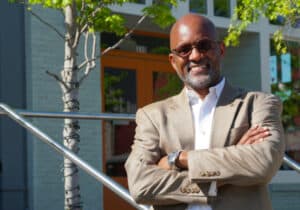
(249, 11)
(99, 17)
(160, 12)
(290, 97)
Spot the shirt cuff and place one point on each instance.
(213, 190)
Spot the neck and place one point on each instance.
(202, 93)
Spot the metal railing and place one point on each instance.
(105, 116)
(291, 163)
(104, 179)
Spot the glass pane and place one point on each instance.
(278, 21)
(119, 97)
(120, 90)
(165, 84)
(222, 8)
(198, 6)
(286, 85)
(138, 43)
(296, 23)
(140, 1)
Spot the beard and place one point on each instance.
(200, 80)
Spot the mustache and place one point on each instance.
(202, 62)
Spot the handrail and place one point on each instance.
(74, 115)
(106, 180)
(111, 116)
(291, 163)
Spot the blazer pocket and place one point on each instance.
(235, 134)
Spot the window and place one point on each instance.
(120, 97)
(198, 6)
(222, 8)
(138, 42)
(285, 83)
(140, 1)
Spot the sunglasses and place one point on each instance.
(202, 46)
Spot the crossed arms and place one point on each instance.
(253, 160)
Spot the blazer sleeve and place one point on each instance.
(244, 165)
(149, 184)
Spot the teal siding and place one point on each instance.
(285, 196)
(241, 65)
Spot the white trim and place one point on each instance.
(209, 8)
(264, 45)
(232, 6)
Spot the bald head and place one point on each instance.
(195, 52)
(192, 23)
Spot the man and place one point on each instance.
(212, 146)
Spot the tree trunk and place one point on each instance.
(71, 104)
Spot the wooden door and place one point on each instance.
(129, 81)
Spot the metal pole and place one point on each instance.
(291, 163)
(72, 115)
(109, 116)
(107, 181)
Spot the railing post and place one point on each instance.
(106, 180)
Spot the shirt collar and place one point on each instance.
(194, 98)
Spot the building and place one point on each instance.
(31, 175)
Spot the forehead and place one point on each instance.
(186, 34)
(190, 31)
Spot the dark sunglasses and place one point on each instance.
(202, 46)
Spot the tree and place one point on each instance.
(83, 18)
(286, 12)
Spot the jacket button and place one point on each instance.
(195, 190)
(189, 190)
(183, 189)
(211, 173)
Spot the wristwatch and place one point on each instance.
(172, 157)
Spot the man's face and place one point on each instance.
(196, 55)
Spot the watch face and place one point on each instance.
(172, 159)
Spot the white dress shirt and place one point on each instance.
(203, 111)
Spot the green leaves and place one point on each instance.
(55, 4)
(97, 15)
(160, 12)
(249, 11)
(104, 20)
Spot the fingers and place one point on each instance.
(255, 134)
(163, 163)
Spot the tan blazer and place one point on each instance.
(242, 170)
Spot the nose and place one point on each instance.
(196, 54)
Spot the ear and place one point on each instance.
(222, 49)
(172, 60)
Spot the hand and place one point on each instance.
(163, 163)
(254, 135)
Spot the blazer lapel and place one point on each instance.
(224, 115)
(181, 117)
